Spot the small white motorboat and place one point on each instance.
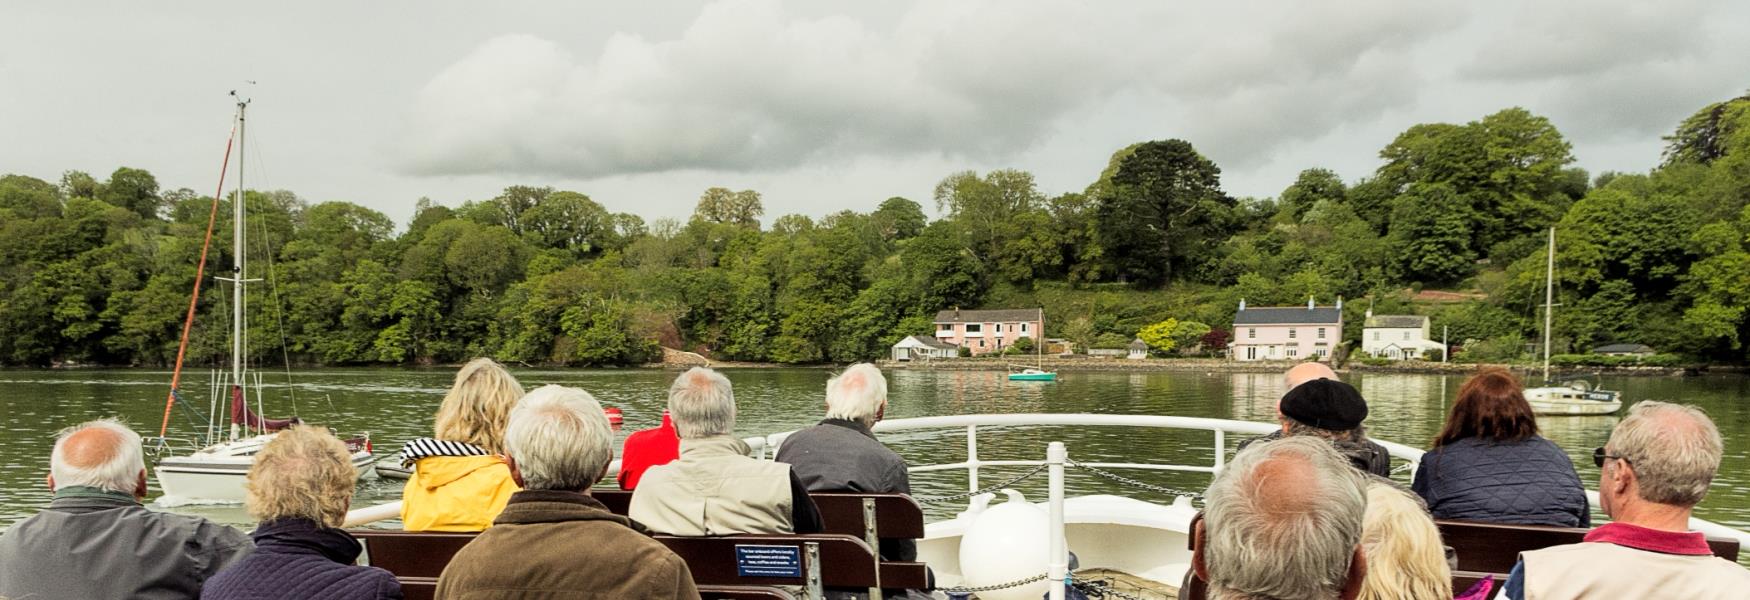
(216, 473)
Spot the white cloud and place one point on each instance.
(749, 86)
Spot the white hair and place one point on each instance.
(1283, 521)
(559, 438)
(856, 394)
(702, 403)
(117, 468)
(1675, 450)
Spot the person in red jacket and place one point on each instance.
(647, 448)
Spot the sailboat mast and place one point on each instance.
(238, 260)
(1549, 299)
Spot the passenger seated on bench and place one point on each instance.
(460, 480)
(647, 448)
(715, 488)
(1488, 463)
(1283, 520)
(299, 489)
(1405, 559)
(1350, 439)
(95, 540)
(841, 454)
(1653, 471)
(553, 540)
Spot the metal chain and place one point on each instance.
(989, 588)
(1134, 483)
(983, 490)
(1403, 467)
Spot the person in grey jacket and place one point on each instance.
(95, 541)
(841, 454)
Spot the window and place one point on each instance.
(1406, 335)
(1321, 333)
(1375, 336)
(974, 328)
(1251, 333)
(1293, 352)
(1291, 333)
(1023, 328)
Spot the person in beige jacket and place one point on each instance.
(1653, 471)
(553, 540)
(715, 488)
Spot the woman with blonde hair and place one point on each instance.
(1405, 558)
(460, 478)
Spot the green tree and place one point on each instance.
(1161, 211)
(899, 219)
(719, 205)
(1430, 232)
(1160, 336)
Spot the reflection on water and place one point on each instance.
(397, 404)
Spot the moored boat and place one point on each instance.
(1575, 398)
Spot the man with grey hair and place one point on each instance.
(1283, 522)
(715, 488)
(553, 539)
(95, 540)
(841, 454)
(1653, 471)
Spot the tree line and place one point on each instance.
(99, 272)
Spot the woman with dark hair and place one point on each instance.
(1489, 464)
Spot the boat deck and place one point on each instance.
(1129, 585)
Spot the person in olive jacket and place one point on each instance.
(553, 540)
(299, 488)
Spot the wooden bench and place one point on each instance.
(871, 517)
(418, 558)
(1494, 548)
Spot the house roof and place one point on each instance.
(1288, 315)
(1138, 344)
(930, 341)
(1623, 349)
(1396, 321)
(990, 316)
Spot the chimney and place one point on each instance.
(1369, 313)
(1339, 303)
(1242, 304)
(1309, 302)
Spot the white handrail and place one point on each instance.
(766, 446)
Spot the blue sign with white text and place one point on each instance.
(768, 561)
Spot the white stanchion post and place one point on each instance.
(1057, 566)
(971, 458)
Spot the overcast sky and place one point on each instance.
(822, 105)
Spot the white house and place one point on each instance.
(923, 347)
(1138, 349)
(1398, 337)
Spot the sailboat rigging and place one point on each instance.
(216, 471)
(1576, 397)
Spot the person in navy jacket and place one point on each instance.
(300, 488)
(1489, 464)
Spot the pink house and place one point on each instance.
(985, 331)
(1287, 332)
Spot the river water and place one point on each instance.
(394, 405)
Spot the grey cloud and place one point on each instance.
(748, 86)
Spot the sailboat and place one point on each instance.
(1036, 372)
(215, 471)
(1576, 397)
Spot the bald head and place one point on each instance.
(702, 403)
(858, 394)
(1307, 371)
(103, 454)
(1282, 520)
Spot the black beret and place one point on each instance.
(1325, 404)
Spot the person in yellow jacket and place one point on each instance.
(460, 479)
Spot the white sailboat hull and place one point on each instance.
(216, 473)
(1558, 401)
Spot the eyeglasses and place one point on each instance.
(1598, 457)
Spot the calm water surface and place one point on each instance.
(395, 405)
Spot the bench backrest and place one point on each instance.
(1494, 548)
(418, 558)
(870, 517)
(730, 592)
